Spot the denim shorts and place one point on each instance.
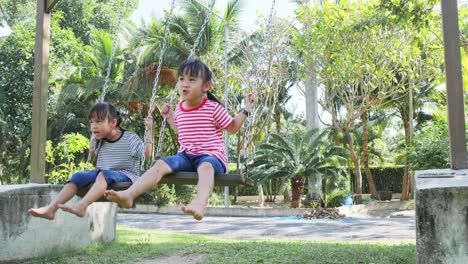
(187, 162)
(84, 178)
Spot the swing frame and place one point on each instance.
(188, 178)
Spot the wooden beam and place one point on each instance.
(50, 4)
(40, 93)
(454, 84)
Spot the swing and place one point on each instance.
(189, 178)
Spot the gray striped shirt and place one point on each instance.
(122, 155)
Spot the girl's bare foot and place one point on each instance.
(45, 212)
(74, 209)
(197, 210)
(122, 198)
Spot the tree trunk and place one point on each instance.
(286, 196)
(1, 172)
(365, 154)
(297, 186)
(261, 197)
(314, 182)
(355, 158)
(406, 188)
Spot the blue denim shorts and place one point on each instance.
(187, 162)
(84, 178)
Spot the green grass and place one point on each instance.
(138, 244)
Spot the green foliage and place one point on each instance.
(386, 179)
(430, 148)
(216, 198)
(16, 81)
(418, 13)
(273, 187)
(295, 156)
(247, 190)
(164, 195)
(66, 158)
(13, 12)
(85, 15)
(334, 198)
(184, 194)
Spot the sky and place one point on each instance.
(283, 8)
(5, 31)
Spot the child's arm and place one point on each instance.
(168, 113)
(93, 146)
(237, 122)
(149, 144)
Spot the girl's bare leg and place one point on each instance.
(149, 179)
(48, 212)
(94, 193)
(204, 189)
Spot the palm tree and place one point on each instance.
(297, 155)
(84, 84)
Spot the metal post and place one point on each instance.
(41, 76)
(226, 103)
(454, 83)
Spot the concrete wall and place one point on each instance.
(23, 236)
(441, 200)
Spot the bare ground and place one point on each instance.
(175, 259)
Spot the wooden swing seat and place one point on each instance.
(190, 178)
(118, 186)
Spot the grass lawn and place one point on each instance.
(133, 245)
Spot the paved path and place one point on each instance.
(394, 230)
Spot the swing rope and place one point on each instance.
(158, 72)
(108, 72)
(113, 48)
(174, 92)
(250, 118)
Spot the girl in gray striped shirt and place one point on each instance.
(119, 153)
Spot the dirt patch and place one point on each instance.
(175, 259)
(327, 213)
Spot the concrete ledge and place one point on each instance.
(442, 216)
(23, 236)
(376, 209)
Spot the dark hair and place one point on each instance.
(194, 68)
(102, 110)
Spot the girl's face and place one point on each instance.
(191, 89)
(102, 128)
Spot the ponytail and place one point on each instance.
(210, 96)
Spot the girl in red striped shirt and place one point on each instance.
(198, 119)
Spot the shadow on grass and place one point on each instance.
(133, 245)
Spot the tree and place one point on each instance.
(420, 68)
(357, 62)
(13, 12)
(295, 155)
(16, 82)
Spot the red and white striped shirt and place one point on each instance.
(200, 129)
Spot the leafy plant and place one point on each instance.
(66, 158)
(294, 156)
(164, 195)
